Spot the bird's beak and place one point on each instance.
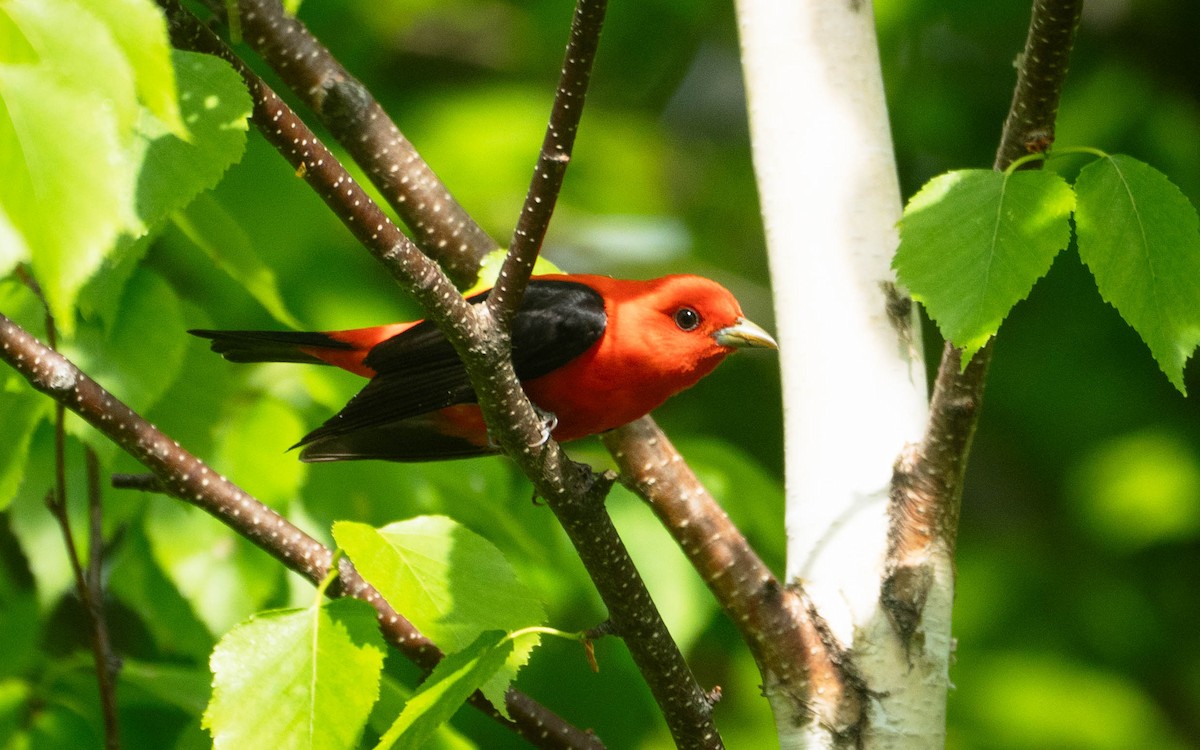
(744, 334)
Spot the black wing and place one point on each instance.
(418, 371)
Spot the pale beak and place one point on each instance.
(745, 335)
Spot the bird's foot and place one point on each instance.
(549, 423)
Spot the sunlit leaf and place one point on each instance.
(489, 269)
(1140, 237)
(450, 582)
(214, 104)
(296, 678)
(973, 242)
(141, 31)
(21, 407)
(67, 113)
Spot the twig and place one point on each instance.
(573, 492)
(927, 482)
(555, 155)
(443, 229)
(184, 476)
(142, 482)
(87, 582)
(107, 663)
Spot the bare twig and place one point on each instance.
(443, 229)
(927, 483)
(107, 663)
(142, 482)
(87, 581)
(184, 476)
(552, 161)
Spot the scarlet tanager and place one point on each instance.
(592, 353)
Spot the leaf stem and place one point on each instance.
(334, 571)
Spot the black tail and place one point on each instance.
(269, 346)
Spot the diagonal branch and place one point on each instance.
(573, 492)
(552, 161)
(184, 476)
(784, 634)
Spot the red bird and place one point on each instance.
(592, 352)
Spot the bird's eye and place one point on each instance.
(687, 319)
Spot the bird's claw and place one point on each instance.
(549, 423)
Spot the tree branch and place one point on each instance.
(184, 476)
(927, 483)
(552, 161)
(786, 637)
(573, 492)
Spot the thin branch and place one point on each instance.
(107, 663)
(184, 476)
(555, 155)
(927, 482)
(573, 492)
(443, 229)
(141, 482)
(87, 581)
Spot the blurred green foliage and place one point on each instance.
(1079, 554)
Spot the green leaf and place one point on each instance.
(141, 356)
(20, 413)
(93, 145)
(137, 580)
(974, 242)
(141, 31)
(452, 681)
(172, 171)
(67, 112)
(252, 444)
(186, 687)
(207, 224)
(1140, 237)
(222, 575)
(20, 624)
(14, 709)
(215, 105)
(296, 678)
(448, 581)
(489, 269)
(21, 407)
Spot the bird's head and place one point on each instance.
(683, 322)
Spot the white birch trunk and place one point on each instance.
(853, 389)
